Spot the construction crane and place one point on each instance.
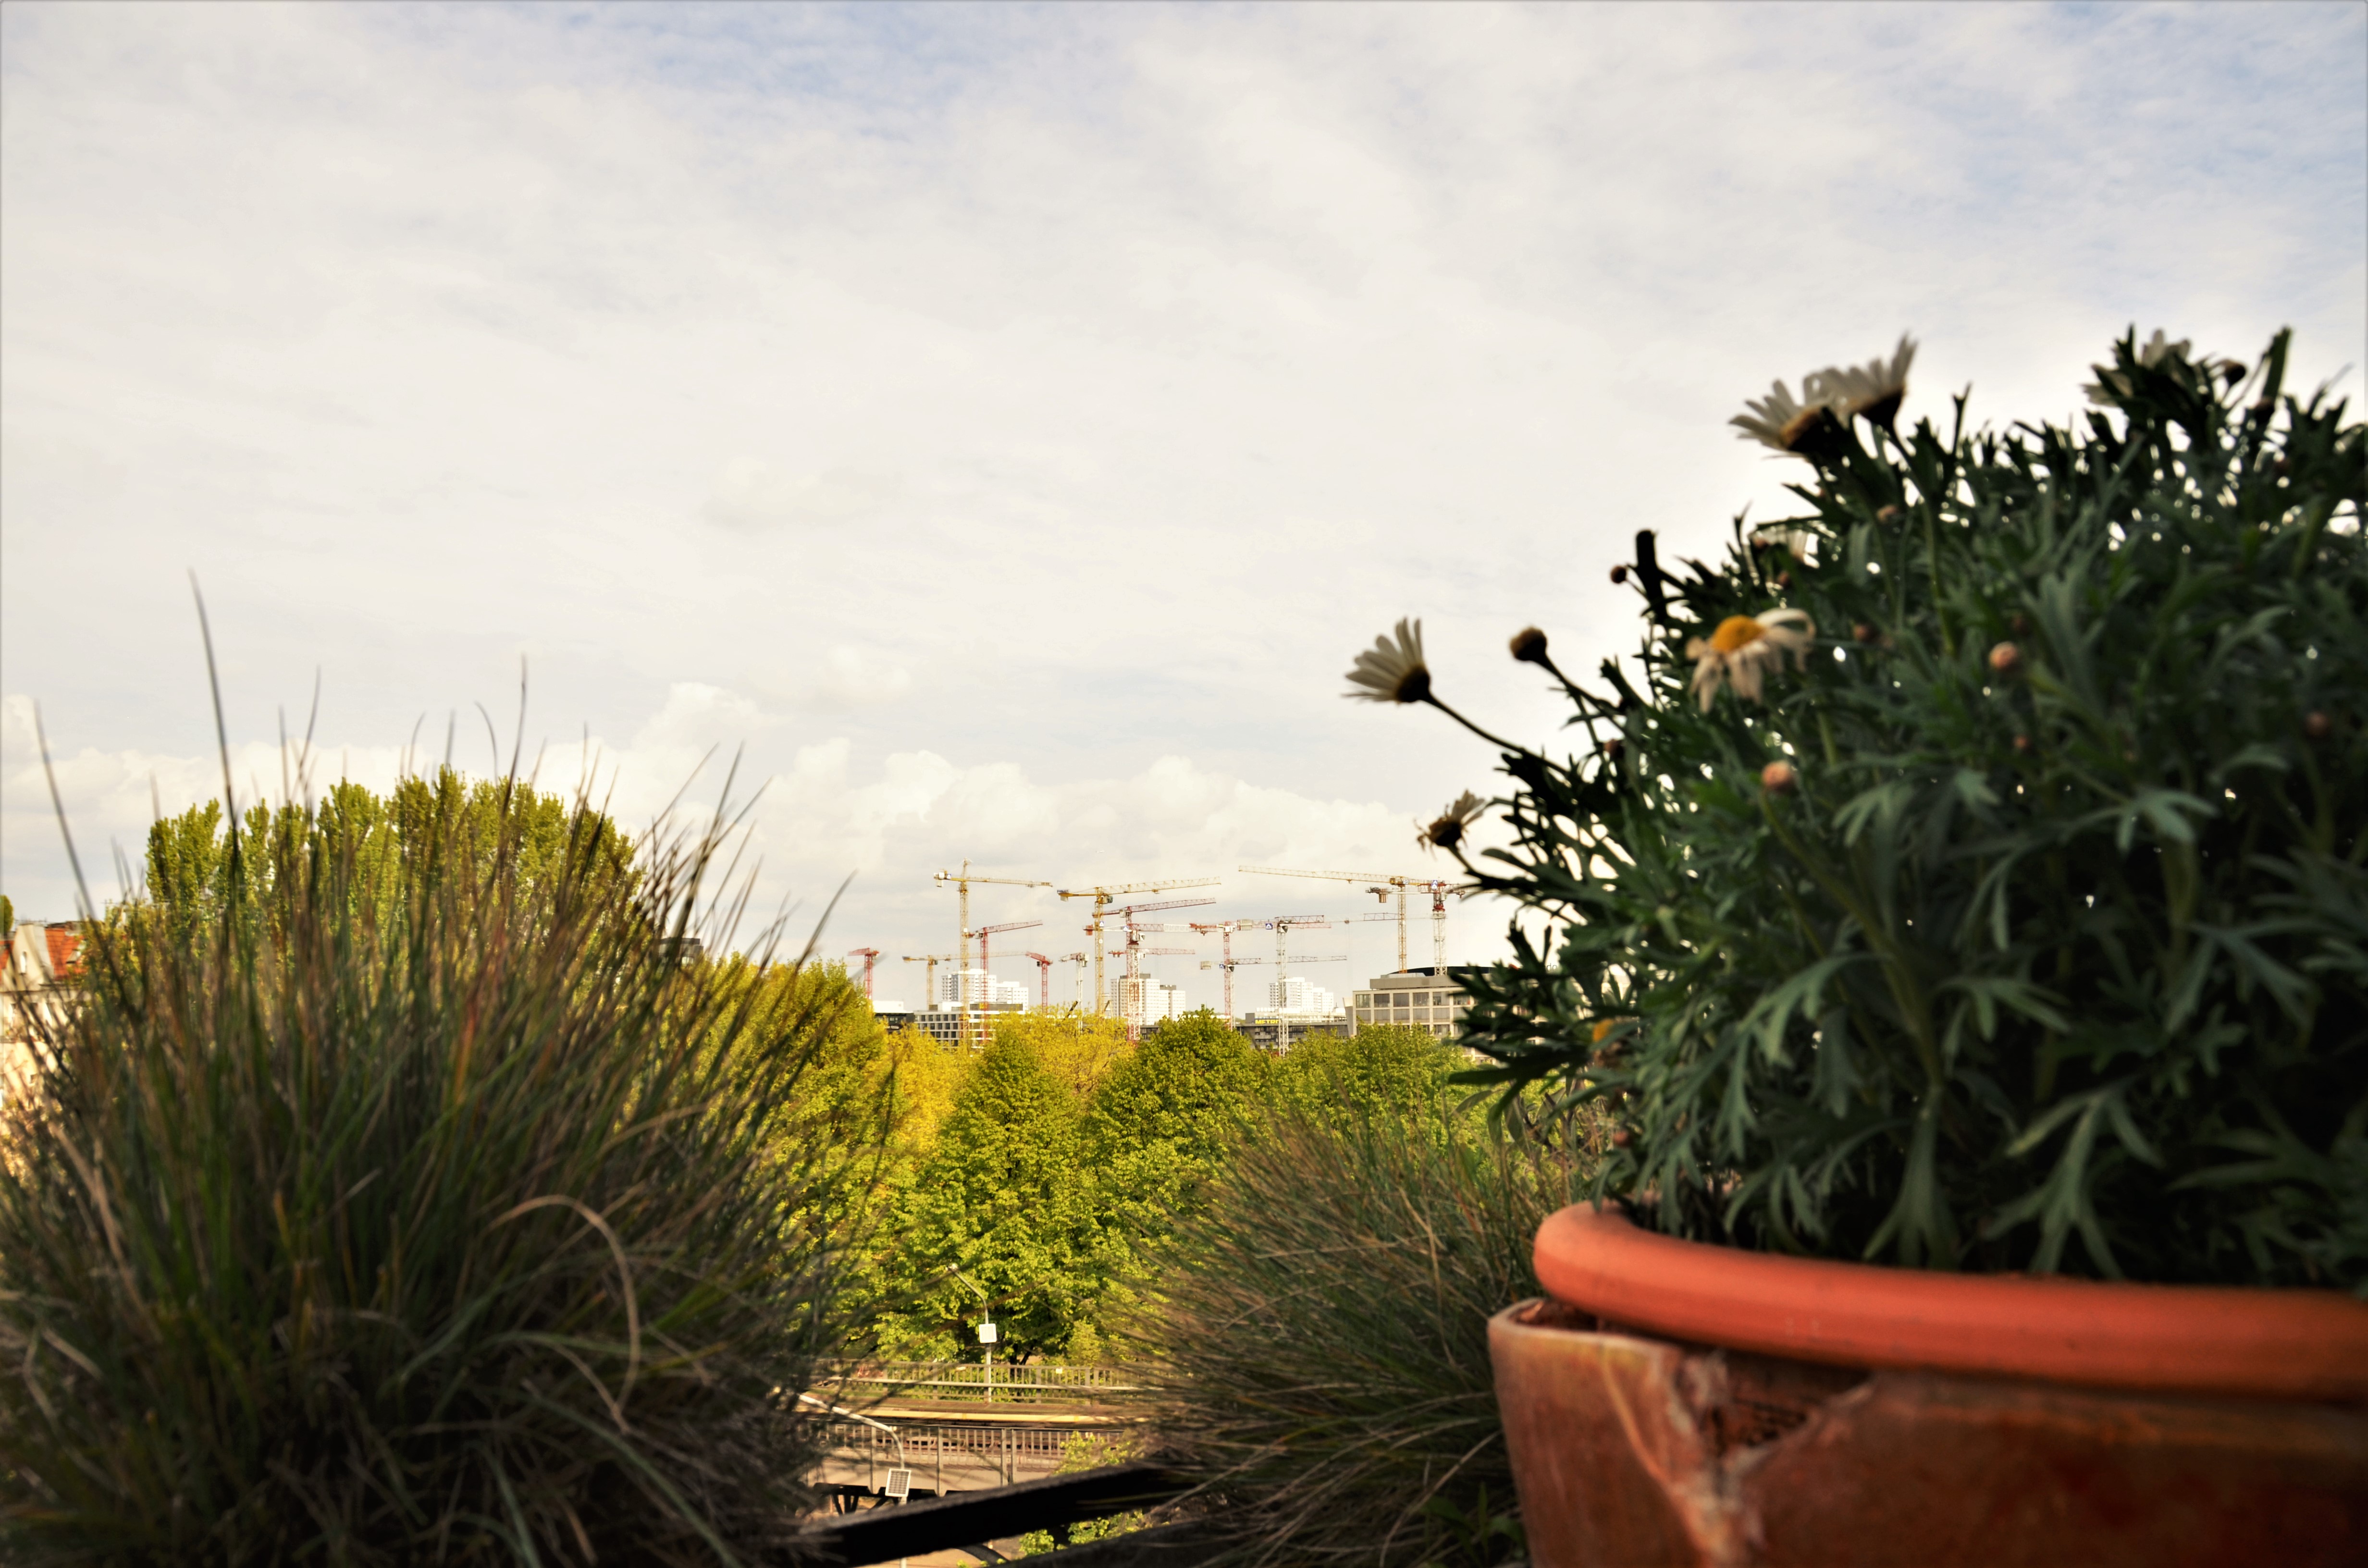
(1080, 959)
(987, 978)
(1103, 895)
(1044, 982)
(962, 880)
(1131, 1006)
(1380, 886)
(933, 960)
(868, 956)
(1282, 1025)
(1126, 913)
(1225, 929)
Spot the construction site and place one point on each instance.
(1135, 935)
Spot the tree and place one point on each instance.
(1079, 1049)
(1162, 1124)
(1388, 1070)
(1003, 1199)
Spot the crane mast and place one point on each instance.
(1380, 886)
(962, 880)
(1104, 895)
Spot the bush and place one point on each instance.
(2022, 904)
(381, 1202)
(1325, 1321)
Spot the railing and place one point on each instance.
(948, 1459)
(1029, 1382)
(881, 1534)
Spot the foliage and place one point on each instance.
(1324, 1317)
(2028, 908)
(1165, 1119)
(1079, 1049)
(1083, 1451)
(387, 1197)
(1381, 1070)
(1002, 1196)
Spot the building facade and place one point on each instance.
(1420, 998)
(1159, 999)
(41, 962)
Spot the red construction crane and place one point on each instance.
(986, 976)
(868, 956)
(1131, 989)
(1103, 895)
(1380, 886)
(1044, 982)
(961, 880)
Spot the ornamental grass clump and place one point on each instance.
(397, 1193)
(1323, 1319)
(1971, 875)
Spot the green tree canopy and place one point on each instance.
(1002, 1197)
(1385, 1070)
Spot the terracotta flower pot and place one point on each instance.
(1681, 1404)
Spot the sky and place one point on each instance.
(998, 427)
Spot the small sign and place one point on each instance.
(900, 1485)
(986, 1334)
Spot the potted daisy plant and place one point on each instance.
(1959, 910)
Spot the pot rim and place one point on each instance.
(2262, 1343)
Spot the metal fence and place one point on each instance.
(945, 1458)
(1027, 1383)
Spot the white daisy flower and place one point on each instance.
(2111, 385)
(1744, 648)
(1870, 391)
(1804, 430)
(1391, 672)
(1446, 831)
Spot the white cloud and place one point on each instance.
(964, 410)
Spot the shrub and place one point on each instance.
(1324, 1322)
(396, 1204)
(1974, 877)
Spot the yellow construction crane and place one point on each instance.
(1380, 886)
(1103, 895)
(962, 880)
(933, 960)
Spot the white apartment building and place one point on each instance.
(1297, 993)
(975, 987)
(1160, 1000)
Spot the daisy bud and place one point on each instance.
(1887, 515)
(2006, 659)
(2318, 725)
(1622, 1138)
(1529, 645)
(1614, 746)
(1779, 777)
(2018, 623)
(1619, 575)
(1783, 579)
(1862, 632)
(2023, 746)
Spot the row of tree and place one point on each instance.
(1046, 1171)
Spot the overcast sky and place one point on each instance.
(1003, 426)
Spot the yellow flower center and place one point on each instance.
(1736, 632)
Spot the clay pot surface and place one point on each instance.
(1680, 1404)
(1638, 1453)
(2300, 1345)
